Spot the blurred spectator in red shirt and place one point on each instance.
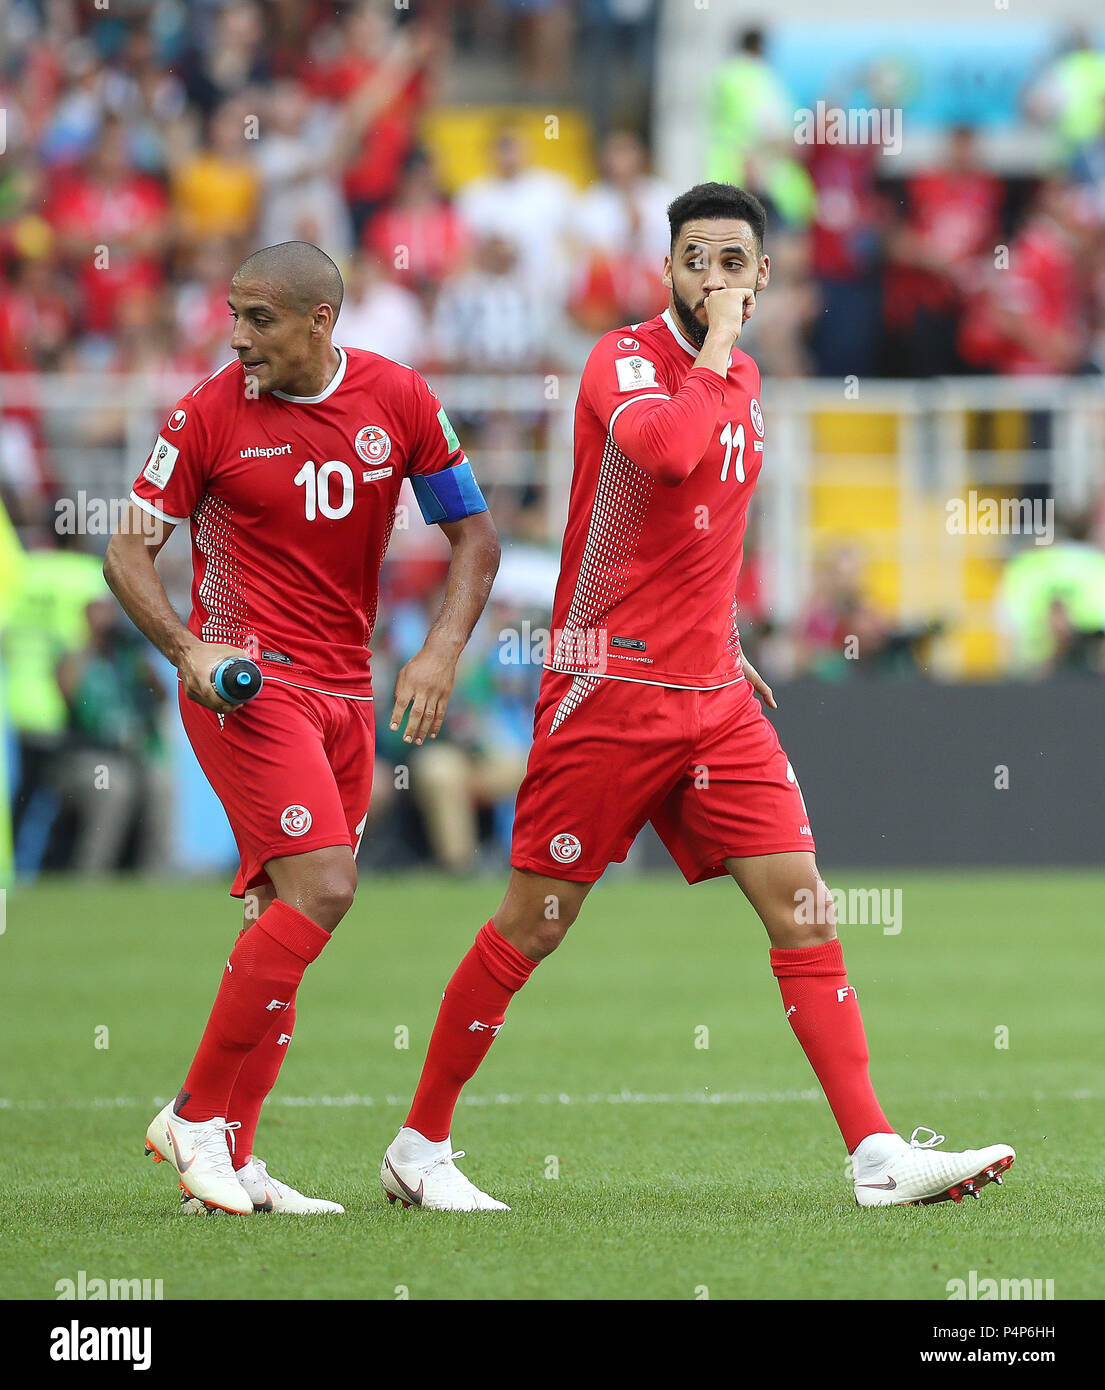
(1030, 317)
(952, 218)
(383, 80)
(200, 310)
(846, 254)
(36, 318)
(840, 625)
(112, 225)
(420, 237)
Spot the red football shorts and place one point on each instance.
(704, 766)
(292, 768)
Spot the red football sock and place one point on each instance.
(260, 980)
(824, 1013)
(471, 1014)
(255, 1080)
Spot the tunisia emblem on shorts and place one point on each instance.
(564, 848)
(295, 820)
(372, 443)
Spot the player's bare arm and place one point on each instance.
(132, 577)
(426, 681)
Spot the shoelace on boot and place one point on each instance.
(215, 1148)
(930, 1143)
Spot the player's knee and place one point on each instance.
(332, 899)
(806, 918)
(542, 940)
(534, 938)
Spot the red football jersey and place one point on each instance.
(292, 500)
(666, 457)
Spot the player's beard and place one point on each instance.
(694, 330)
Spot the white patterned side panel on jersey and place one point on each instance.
(621, 501)
(222, 591)
(581, 687)
(734, 636)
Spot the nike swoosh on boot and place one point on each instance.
(416, 1197)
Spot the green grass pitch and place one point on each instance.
(638, 1164)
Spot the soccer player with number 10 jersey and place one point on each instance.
(287, 464)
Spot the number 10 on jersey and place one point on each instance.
(316, 485)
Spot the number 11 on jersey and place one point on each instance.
(733, 438)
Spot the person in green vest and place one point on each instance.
(750, 133)
(46, 619)
(11, 572)
(1051, 603)
(1070, 97)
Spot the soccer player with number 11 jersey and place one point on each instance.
(648, 712)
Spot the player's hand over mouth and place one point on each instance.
(727, 311)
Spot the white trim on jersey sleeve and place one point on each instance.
(155, 511)
(650, 396)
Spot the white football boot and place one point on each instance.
(421, 1173)
(199, 1153)
(888, 1172)
(267, 1194)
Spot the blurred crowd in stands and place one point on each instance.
(951, 269)
(151, 145)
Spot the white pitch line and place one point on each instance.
(626, 1097)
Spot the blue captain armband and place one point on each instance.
(450, 495)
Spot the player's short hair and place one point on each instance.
(303, 275)
(706, 200)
